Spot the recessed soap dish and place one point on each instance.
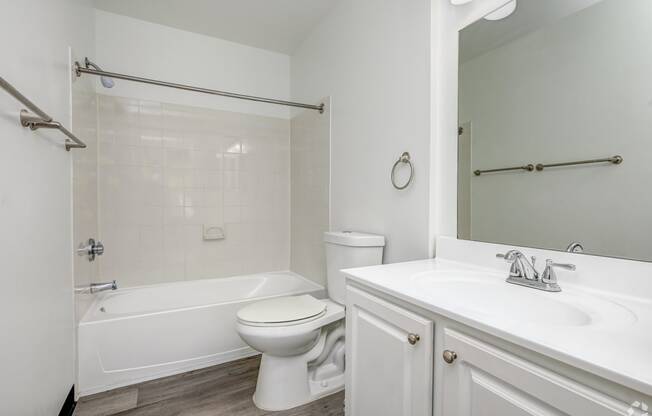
(212, 232)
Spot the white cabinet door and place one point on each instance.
(486, 381)
(389, 353)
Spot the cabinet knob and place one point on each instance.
(449, 356)
(413, 338)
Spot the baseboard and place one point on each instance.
(68, 407)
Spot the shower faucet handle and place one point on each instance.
(90, 249)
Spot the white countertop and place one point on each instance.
(612, 340)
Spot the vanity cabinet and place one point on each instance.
(389, 354)
(481, 380)
(405, 361)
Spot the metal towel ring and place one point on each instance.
(405, 158)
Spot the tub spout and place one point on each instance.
(101, 287)
(98, 287)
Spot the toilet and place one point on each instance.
(301, 338)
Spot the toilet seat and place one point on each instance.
(282, 311)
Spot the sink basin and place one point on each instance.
(488, 295)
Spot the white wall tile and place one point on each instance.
(310, 181)
(85, 189)
(232, 214)
(166, 170)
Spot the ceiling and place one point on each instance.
(530, 15)
(277, 25)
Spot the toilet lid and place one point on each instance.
(283, 309)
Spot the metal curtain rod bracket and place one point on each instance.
(38, 118)
(529, 168)
(616, 160)
(79, 70)
(35, 123)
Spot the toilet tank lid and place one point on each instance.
(354, 239)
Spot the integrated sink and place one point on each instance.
(585, 325)
(488, 295)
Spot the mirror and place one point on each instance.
(555, 113)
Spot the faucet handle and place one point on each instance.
(509, 257)
(549, 276)
(90, 249)
(517, 268)
(566, 266)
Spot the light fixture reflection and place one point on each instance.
(503, 12)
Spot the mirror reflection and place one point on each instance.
(555, 112)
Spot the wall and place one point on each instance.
(36, 312)
(167, 170)
(373, 59)
(536, 100)
(140, 48)
(310, 192)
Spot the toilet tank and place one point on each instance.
(347, 249)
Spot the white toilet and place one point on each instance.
(301, 337)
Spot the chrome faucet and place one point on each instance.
(101, 287)
(521, 267)
(524, 273)
(98, 287)
(90, 249)
(575, 247)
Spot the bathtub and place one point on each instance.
(138, 334)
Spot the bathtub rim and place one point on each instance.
(85, 321)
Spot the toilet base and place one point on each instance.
(287, 382)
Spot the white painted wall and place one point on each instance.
(140, 48)
(36, 303)
(373, 59)
(569, 91)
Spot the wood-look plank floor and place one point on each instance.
(225, 389)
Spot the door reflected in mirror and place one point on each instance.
(555, 113)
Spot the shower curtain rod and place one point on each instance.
(79, 70)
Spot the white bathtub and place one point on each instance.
(137, 334)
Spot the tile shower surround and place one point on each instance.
(85, 194)
(165, 170)
(310, 193)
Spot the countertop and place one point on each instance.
(615, 343)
